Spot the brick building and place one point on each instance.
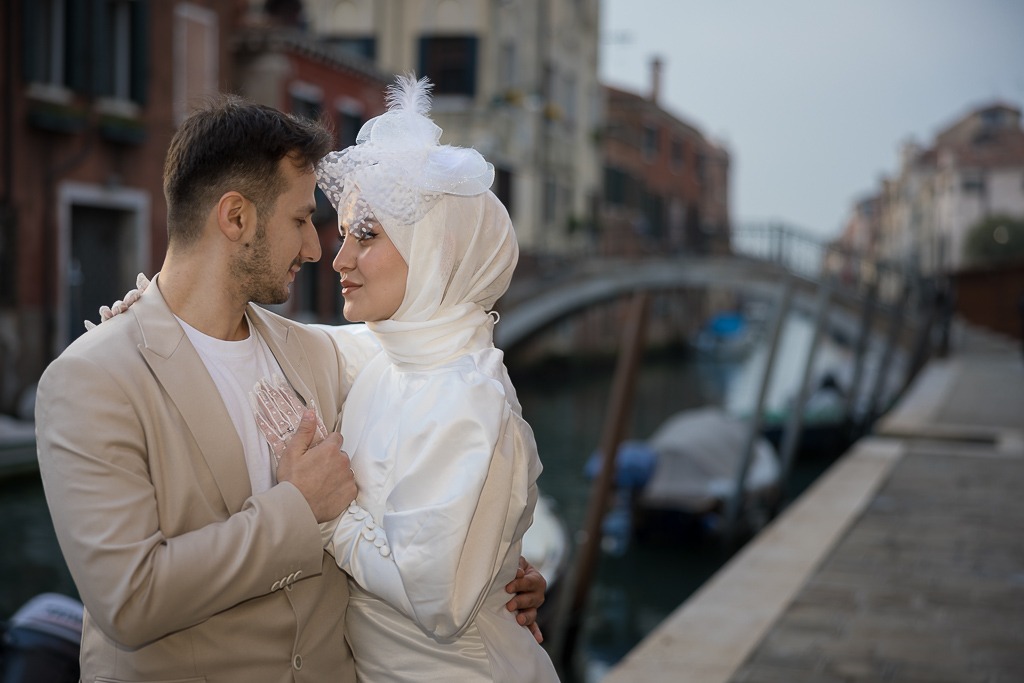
(92, 92)
(665, 183)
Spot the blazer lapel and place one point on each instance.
(181, 372)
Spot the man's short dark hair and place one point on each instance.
(233, 144)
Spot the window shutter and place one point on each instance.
(29, 48)
(77, 53)
(140, 52)
(425, 64)
(472, 50)
(102, 57)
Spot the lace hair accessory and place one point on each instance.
(397, 171)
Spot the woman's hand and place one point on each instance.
(279, 410)
(121, 305)
(528, 588)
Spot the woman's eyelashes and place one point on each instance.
(360, 234)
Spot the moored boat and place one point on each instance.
(694, 459)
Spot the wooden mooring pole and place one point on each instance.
(791, 436)
(735, 503)
(854, 420)
(620, 404)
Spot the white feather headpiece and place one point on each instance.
(396, 171)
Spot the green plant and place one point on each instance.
(995, 238)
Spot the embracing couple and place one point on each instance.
(240, 497)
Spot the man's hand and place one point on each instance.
(528, 588)
(322, 473)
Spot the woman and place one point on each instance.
(445, 464)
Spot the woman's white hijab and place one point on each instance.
(461, 256)
(462, 252)
(432, 201)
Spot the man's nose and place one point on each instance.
(311, 250)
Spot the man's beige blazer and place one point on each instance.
(185, 575)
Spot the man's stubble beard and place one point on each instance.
(254, 275)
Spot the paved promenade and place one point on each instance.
(904, 562)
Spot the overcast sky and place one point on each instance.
(814, 97)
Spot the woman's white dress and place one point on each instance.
(446, 468)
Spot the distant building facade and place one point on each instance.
(973, 169)
(92, 93)
(515, 79)
(666, 186)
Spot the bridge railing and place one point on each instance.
(815, 258)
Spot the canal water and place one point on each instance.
(633, 592)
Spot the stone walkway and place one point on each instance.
(904, 562)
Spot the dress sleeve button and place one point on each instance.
(297, 662)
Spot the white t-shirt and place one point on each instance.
(236, 367)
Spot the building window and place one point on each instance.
(46, 55)
(306, 100)
(364, 47)
(650, 142)
(654, 212)
(196, 58)
(973, 183)
(995, 118)
(56, 58)
(348, 119)
(615, 186)
(450, 64)
(678, 158)
(119, 29)
(347, 125)
(120, 32)
(503, 187)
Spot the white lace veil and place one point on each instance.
(398, 168)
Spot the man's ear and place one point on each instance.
(236, 216)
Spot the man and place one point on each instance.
(198, 558)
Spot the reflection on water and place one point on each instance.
(31, 562)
